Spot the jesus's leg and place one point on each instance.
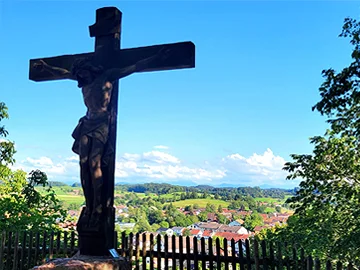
(97, 149)
(86, 182)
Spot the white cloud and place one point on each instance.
(161, 166)
(255, 170)
(64, 168)
(258, 169)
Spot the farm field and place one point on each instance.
(271, 200)
(200, 202)
(71, 198)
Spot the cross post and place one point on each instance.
(100, 239)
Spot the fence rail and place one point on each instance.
(145, 251)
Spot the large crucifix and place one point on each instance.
(97, 74)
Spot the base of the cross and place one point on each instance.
(97, 241)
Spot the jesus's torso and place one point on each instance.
(97, 96)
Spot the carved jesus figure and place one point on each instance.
(92, 132)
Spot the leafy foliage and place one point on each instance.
(21, 206)
(326, 222)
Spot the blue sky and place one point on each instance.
(235, 118)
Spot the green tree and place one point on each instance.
(210, 208)
(326, 222)
(220, 209)
(203, 216)
(21, 205)
(164, 224)
(253, 220)
(222, 219)
(278, 209)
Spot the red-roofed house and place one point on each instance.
(228, 236)
(196, 233)
(206, 234)
(211, 217)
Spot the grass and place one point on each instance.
(200, 202)
(71, 198)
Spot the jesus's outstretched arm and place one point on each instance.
(118, 73)
(54, 70)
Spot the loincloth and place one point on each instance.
(97, 128)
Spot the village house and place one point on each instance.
(259, 228)
(238, 222)
(228, 236)
(178, 230)
(211, 226)
(234, 229)
(207, 234)
(121, 208)
(169, 232)
(125, 225)
(211, 217)
(196, 233)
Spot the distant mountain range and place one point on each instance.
(194, 185)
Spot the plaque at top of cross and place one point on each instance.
(97, 74)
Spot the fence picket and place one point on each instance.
(151, 251)
(65, 246)
(137, 251)
(302, 258)
(8, 250)
(72, 243)
(286, 251)
(279, 256)
(144, 251)
(173, 251)
(131, 247)
(248, 259)
(43, 248)
(58, 242)
(51, 246)
(158, 245)
(264, 257)
(272, 256)
(226, 254)
(218, 262)
(123, 245)
(295, 257)
(241, 255)
(23, 248)
(196, 252)
(2, 249)
(203, 253)
(29, 257)
(309, 263)
(181, 255)
(16, 251)
(328, 265)
(233, 254)
(256, 255)
(211, 260)
(166, 250)
(188, 261)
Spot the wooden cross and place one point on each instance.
(107, 32)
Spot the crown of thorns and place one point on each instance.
(85, 64)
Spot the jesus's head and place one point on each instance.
(84, 71)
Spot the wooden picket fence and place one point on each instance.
(145, 251)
